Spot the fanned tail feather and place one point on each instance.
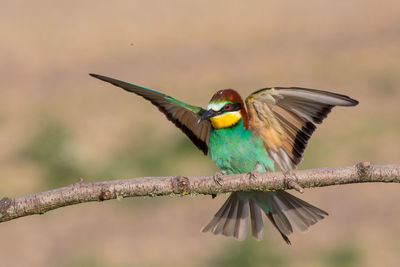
(231, 219)
(284, 210)
(257, 224)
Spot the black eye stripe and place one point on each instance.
(233, 107)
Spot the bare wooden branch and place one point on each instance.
(80, 192)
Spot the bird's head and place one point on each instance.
(225, 109)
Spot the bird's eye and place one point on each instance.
(227, 107)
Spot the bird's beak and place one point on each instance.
(207, 115)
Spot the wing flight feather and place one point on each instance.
(184, 116)
(285, 117)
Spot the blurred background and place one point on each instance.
(59, 124)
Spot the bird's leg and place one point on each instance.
(292, 181)
(255, 171)
(218, 177)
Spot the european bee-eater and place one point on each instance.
(272, 126)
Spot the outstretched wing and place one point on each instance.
(285, 117)
(184, 116)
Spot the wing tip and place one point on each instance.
(100, 77)
(352, 102)
(349, 102)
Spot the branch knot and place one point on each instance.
(364, 169)
(105, 195)
(5, 204)
(180, 185)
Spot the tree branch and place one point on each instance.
(80, 192)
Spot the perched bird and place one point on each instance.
(272, 127)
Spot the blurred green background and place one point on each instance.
(58, 124)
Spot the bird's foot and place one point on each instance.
(254, 172)
(218, 177)
(293, 182)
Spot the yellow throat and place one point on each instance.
(225, 120)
